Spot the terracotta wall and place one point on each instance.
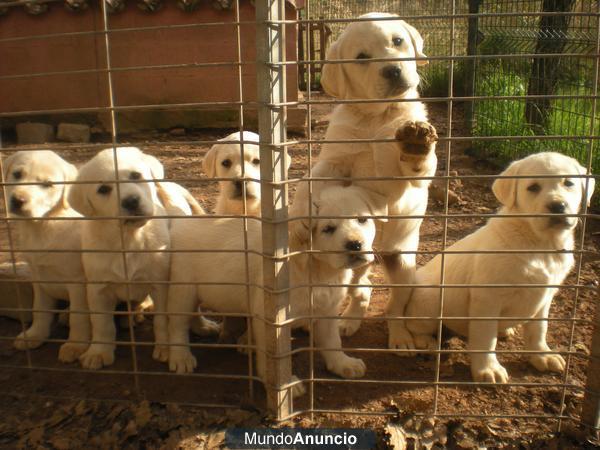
(129, 48)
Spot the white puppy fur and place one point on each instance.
(46, 200)
(138, 202)
(345, 236)
(225, 161)
(412, 154)
(562, 195)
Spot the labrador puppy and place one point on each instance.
(39, 201)
(410, 152)
(225, 161)
(135, 200)
(556, 196)
(348, 238)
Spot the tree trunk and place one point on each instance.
(544, 71)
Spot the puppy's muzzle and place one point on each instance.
(16, 204)
(238, 190)
(132, 207)
(393, 75)
(559, 207)
(355, 259)
(131, 204)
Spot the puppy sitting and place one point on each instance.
(556, 196)
(46, 200)
(137, 201)
(348, 237)
(225, 161)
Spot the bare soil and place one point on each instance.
(60, 406)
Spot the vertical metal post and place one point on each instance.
(270, 50)
(471, 65)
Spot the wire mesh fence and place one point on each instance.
(277, 277)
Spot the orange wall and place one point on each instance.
(129, 48)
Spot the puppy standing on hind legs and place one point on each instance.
(39, 201)
(560, 195)
(412, 154)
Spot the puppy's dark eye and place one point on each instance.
(226, 163)
(397, 41)
(569, 183)
(362, 220)
(362, 55)
(256, 161)
(17, 174)
(535, 188)
(135, 176)
(47, 184)
(329, 229)
(104, 189)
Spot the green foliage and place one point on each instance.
(568, 117)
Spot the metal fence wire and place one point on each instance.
(505, 79)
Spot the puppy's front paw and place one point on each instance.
(205, 327)
(425, 342)
(491, 373)
(97, 356)
(29, 339)
(349, 327)
(401, 339)
(548, 363)
(347, 367)
(181, 360)
(508, 333)
(417, 138)
(161, 353)
(71, 351)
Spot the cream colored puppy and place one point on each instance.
(412, 153)
(137, 202)
(44, 199)
(225, 161)
(556, 196)
(348, 237)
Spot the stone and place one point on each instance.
(34, 133)
(10, 291)
(73, 132)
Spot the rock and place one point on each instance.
(437, 190)
(10, 291)
(34, 133)
(177, 131)
(73, 132)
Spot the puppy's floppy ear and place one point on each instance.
(377, 203)
(77, 194)
(299, 230)
(69, 174)
(417, 42)
(505, 189)
(7, 164)
(156, 168)
(209, 161)
(333, 79)
(590, 185)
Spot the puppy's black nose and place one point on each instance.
(353, 246)
(238, 186)
(131, 203)
(391, 73)
(16, 203)
(557, 207)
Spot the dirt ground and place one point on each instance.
(59, 406)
